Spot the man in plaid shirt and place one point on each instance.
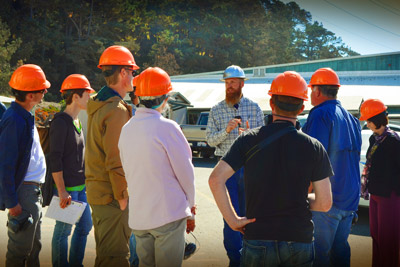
(228, 119)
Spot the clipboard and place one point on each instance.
(70, 214)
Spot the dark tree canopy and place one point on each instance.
(65, 37)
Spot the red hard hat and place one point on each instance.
(371, 108)
(29, 77)
(153, 82)
(324, 76)
(117, 55)
(289, 83)
(76, 81)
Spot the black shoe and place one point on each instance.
(190, 249)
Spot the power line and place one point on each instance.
(391, 6)
(372, 41)
(397, 35)
(384, 7)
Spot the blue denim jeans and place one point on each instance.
(276, 253)
(233, 239)
(331, 230)
(59, 243)
(133, 259)
(23, 247)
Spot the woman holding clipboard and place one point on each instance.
(67, 149)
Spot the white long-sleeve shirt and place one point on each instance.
(157, 161)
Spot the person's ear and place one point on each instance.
(272, 105)
(318, 91)
(122, 72)
(29, 96)
(301, 110)
(75, 97)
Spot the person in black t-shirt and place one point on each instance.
(278, 228)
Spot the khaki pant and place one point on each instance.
(162, 246)
(111, 232)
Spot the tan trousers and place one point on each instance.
(162, 246)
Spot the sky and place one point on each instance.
(366, 26)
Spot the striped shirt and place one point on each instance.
(222, 113)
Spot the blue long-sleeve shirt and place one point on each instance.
(16, 138)
(2, 109)
(340, 134)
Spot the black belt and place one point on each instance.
(31, 183)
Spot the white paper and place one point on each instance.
(70, 214)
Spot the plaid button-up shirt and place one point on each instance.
(222, 113)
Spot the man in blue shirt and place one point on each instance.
(228, 119)
(22, 167)
(340, 134)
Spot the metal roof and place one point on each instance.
(205, 95)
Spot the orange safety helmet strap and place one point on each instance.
(324, 76)
(289, 83)
(117, 55)
(153, 82)
(76, 81)
(29, 77)
(371, 108)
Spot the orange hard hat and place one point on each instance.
(324, 76)
(289, 83)
(76, 81)
(370, 108)
(29, 77)
(117, 55)
(153, 82)
(134, 80)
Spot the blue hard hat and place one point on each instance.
(233, 71)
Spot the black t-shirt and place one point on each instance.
(277, 180)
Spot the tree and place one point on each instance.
(319, 43)
(8, 45)
(191, 36)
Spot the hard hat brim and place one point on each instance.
(223, 80)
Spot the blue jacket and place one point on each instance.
(16, 138)
(2, 109)
(340, 134)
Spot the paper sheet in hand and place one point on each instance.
(70, 214)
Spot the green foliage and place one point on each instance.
(8, 45)
(190, 36)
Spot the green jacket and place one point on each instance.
(105, 178)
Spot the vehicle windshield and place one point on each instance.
(203, 119)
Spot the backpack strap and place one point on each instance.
(264, 143)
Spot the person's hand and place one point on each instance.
(123, 203)
(190, 225)
(240, 223)
(241, 130)
(65, 199)
(191, 222)
(232, 124)
(15, 211)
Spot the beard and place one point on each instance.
(232, 98)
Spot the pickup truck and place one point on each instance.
(196, 136)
